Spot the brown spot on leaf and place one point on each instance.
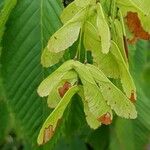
(105, 119)
(133, 97)
(135, 26)
(48, 133)
(62, 90)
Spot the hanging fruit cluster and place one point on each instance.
(101, 28)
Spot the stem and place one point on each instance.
(113, 9)
(79, 46)
(81, 51)
(122, 22)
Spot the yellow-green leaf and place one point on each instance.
(103, 29)
(51, 123)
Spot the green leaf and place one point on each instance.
(121, 138)
(103, 29)
(99, 139)
(142, 124)
(4, 118)
(72, 143)
(122, 106)
(28, 31)
(139, 60)
(52, 121)
(1, 4)
(8, 5)
(75, 122)
(4, 112)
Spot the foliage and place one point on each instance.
(35, 32)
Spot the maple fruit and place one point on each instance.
(90, 26)
(89, 65)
